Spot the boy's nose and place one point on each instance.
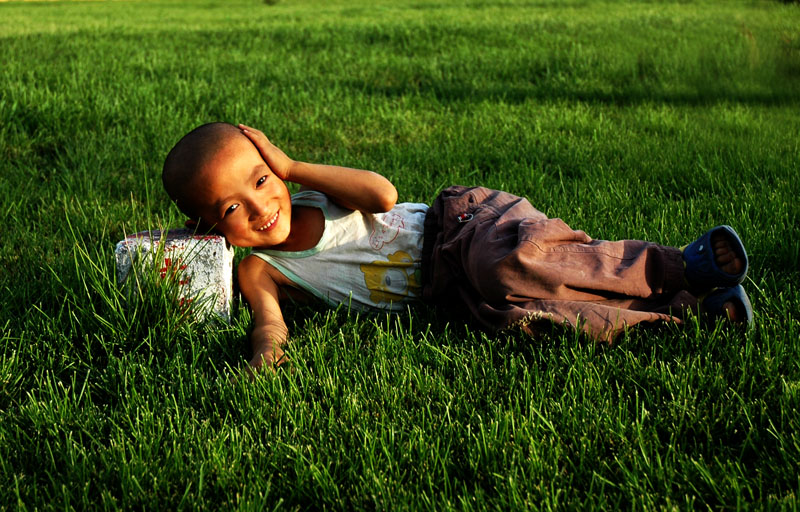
(258, 208)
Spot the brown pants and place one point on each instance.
(495, 255)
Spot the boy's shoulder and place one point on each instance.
(316, 199)
(254, 272)
(311, 197)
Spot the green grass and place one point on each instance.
(651, 120)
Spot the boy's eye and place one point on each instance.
(230, 209)
(261, 180)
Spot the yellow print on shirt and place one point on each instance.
(392, 280)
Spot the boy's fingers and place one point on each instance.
(283, 359)
(251, 131)
(259, 139)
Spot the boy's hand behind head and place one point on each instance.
(278, 162)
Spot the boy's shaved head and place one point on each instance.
(189, 155)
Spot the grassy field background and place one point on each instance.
(641, 119)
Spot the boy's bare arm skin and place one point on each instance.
(260, 287)
(352, 188)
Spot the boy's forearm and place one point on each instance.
(353, 188)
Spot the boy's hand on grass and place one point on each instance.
(268, 360)
(278, 162)
(267, 352)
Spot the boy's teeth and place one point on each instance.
(269, 223)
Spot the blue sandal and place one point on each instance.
(702, 272)
(713, 304)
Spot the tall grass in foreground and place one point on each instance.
(626, 119)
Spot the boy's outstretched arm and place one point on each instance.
(269, 329)
(352, 188)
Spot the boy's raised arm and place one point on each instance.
(352, 188)
(269, 329)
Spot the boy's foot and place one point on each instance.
(728, 303)
(733, 314)
(729, 262)
(724, 254)
(716, 259)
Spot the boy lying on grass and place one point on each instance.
(343, 239)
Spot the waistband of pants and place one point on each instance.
(431, 229)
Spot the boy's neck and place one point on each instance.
(307, 226)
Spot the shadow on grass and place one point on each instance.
(447, 92)
(425, 327)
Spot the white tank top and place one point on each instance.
(364, 261)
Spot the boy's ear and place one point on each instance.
(201, 227)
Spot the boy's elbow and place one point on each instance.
(387, 199)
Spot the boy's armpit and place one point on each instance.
(256, 275)
(295, 294)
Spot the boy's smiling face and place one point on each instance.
(237, 192)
